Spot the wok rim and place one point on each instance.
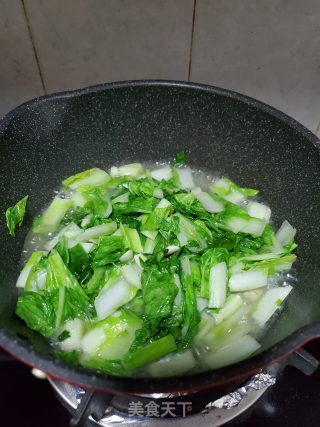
(89, 379)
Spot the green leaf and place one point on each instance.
(159, 292)
(63, 336)
(132, 238)
(62, 248)
(136, 304)
(134, 205)
(36, 279)
(180, 159)
(96, 282)
(35, 309)
(157, 218)
(109, 250)
(274, 265)
(191, 316)
(15, 215)
(143, 187)
(195, 237)
(80, 262)
(69, 303)
(75, 215)
(187, 204)
(96, 203)
(58, 273)
(64, 292)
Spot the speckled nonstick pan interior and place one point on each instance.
(50, 138)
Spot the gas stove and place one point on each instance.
(284, 395)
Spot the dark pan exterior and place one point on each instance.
(50, 138)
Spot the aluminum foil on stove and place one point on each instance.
(257, 382)
(225, 404)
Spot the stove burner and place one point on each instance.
(185, 410)
(181, 408)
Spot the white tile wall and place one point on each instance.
(19, 74)
(84, 42)
(269, 50)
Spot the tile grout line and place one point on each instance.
(34, 47)
(191, 41)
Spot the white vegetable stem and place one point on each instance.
(97, 177)
(132, 274)
(158, 193)
(286, 233)
(234, 351)
(162, 173)
(260, 257)
(222, 188)
(70, 231)
(185, 178)
(150, 234)
(86, 220)
(246, 280)
(33, 260)
(56, 211)
(232, 304)
(127, 256)
(110, 299)
(123, 198)
(173, 364)
(133, 169)
(92, 340)
(87, 246)
(138, 258)
(254, 226)
(164, 203)
(207, 201)
(269, 303)
(149, 246)
(75, 328)
(178, 298)
(97, 231)
(172, 249)
(259, 210)
(218, 285)
(202, 303)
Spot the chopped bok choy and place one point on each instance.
(141, 272)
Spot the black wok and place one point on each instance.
(50, 138)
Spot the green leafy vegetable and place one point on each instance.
(141, 272)
(15, 215)
(191, 316)
(96, 281)
(180, 159)
(109, 250)
(80, 263)
(63, 336)
(36, 310)
(159, 292)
